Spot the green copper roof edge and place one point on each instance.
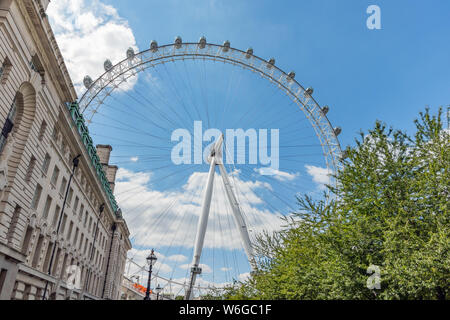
(83, 131)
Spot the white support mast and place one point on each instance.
(238, 218)
(215, 158)
(203, 222)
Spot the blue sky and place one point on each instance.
(363, 75)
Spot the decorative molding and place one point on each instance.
(82, 129)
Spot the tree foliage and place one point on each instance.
(390, 209)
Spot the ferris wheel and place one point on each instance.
(213, 144)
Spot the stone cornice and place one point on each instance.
(47, 49)
(83, 131)
(12, 253)
(91, 172)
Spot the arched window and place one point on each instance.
(8, 125)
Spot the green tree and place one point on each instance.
(390, 209)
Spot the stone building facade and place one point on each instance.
(78, 252)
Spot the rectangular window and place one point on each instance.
(85, 245)
(63, 224)
(75, 238)
(47, 257)
(30, 169)
(37, 251)
(55, 265)
(80, 217)
(55, 176)
(75, 205)
(36, 197)
(85, 218)
(42, 130)
(46, 163)
(26, 240)
(90, 224)
(63, 269)
(48, 203)
(56, 216)
(8, 125)
(69, 197)
(14, 222)
(69, 233)
(81, 242)
(62, 189)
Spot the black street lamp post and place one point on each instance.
(151, 260)
(75, 163)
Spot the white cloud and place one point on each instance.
(244, 276)
(159, 218)
(177, 258)
(88, 33)
(319, 175)
(134, 159)
(277, 174)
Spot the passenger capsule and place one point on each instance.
(291, 76)
(107, 65)
(226, 46)
(337, 131)
(87, 81)
(271, 63)
(154, 46)
(130, 53)
(309, 91)
(325, 110)
(202, 43)
(249, 53)
(178, 42)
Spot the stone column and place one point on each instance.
(111, 266)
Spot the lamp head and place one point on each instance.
(76, 161)
(151, 259)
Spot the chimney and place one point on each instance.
(104, 152)
(111, 176)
